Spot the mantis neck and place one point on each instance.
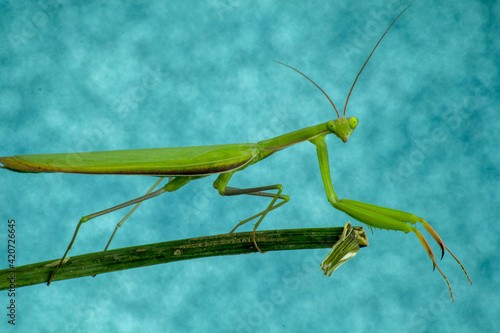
(289, 139)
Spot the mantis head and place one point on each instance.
(342, 127)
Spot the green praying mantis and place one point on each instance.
(183, 164)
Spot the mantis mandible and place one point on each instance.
(185, 164)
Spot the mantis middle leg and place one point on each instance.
(221, 185)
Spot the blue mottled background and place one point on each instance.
(95, 75)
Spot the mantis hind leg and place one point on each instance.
(392, 219)
(171, 186)
(220, 185)
(130, 213)
(133, 210)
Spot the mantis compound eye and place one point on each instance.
(331, 126)
(353, 122)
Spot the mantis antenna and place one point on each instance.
(352, 87)
(295, 69)
(357, 76)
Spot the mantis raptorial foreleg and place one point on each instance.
(377, 216)
(220, 184)
(171, 186)
(386, 218)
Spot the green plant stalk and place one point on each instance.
(159, 253)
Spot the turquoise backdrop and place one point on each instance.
(106, 75)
